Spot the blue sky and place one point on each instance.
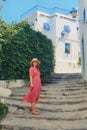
(13, 9)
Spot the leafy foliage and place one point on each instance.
(79, 61)
(3, 110)
(19, 44)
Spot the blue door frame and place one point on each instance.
(83, 55)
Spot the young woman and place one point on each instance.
(35, 85)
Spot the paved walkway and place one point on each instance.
(63, 106)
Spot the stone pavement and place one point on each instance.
(62, 106)
(5, 92)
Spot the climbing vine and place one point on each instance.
(18, 45)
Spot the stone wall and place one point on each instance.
(12, 83)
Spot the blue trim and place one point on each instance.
(44, 9)
(84, 16)
(83, 55)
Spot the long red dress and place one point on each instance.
(33, 94)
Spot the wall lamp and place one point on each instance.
(74, 14)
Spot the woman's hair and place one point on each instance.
(36, 66)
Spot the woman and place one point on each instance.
(35, 85)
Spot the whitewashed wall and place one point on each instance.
(64, 63)
(67, 63)
(83, 35)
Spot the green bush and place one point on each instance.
(3, 110)
(20, 47)
(0, 127)
(79, 61)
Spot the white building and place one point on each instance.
(63, 31)
(83, 35)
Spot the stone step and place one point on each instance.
(43, 124)
(61, 101)
(50, 107)
(59, 89)
(58, 97)
(48, 115)
(53, 87)
(62, 106)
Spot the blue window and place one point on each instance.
(67, 28)
(77, 28)
(84, 16)
(46, 26)
(67, 48)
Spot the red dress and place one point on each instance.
(34, 93)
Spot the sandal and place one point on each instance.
(35, 113)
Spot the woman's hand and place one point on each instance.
(31, 85)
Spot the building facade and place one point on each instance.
(63, 31)
(83, 35)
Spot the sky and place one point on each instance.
(13, 9)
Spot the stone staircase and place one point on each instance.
(62, 106)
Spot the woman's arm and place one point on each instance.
(31, 81)
(31, 73)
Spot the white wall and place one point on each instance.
(83, 34)
(64, 63)
(67, 63)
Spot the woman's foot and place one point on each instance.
(35, 113)
(31, 109)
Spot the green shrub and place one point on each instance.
(0, 127)
(3, 110)
(79, 61)
(22, 45)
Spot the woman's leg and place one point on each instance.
(33, 107)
